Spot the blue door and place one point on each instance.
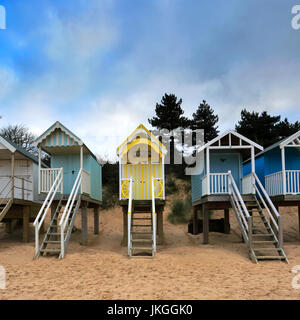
(222, 163)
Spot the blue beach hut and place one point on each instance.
(73, 182)
(222, 184)
(279, 171)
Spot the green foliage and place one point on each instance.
(180, 211)
(265, 129)
(169, 114)
(204, 118)
(171, 186)
(109, 198)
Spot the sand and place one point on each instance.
(183, 268)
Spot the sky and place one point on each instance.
(100, 66)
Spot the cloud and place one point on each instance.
(100, 67)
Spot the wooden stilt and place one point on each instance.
(205, 224)
(96, 220)
(226, 221)
(84, 230)
(299, 218)
(125, 229)
(26, 215)
(195, 220)
(8, 226)
(160, 227)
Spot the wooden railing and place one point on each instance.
(17, 183)
(218, 184)
(275, 185)
(292, 181)
(247, 184)
(47, 178)
(86, 182)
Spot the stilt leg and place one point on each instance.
(195, 220)
(26, 215)
(160, 227)
(205, 224)
(84, 226)
(299, 218)
(96, 220)
(8, 226)
(226, 221)
(124, 242)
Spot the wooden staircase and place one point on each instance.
(5, 205)
(52, 242)
(141, 231)
(264, 244)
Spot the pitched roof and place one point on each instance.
(282, 143)
(59, 125)
(229, 132)
(153, 138)
(12, 147)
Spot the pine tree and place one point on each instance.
(169, 114)
(204, 118)
(265, 129)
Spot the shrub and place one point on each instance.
(180, 211)
(171, 186)
(109, 198)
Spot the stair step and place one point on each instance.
(52, 241)
(142, 240)
(140, 232)
(270, 258)
(263, 242)
(142, 248)
(51, 250)
(142, 225)
(141, 218)
(55, 234)
(267, 249)
(262, 235)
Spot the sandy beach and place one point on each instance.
(183, 268)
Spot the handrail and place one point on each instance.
(68, 208)
(153, 216)
(266, 201)
(129, 216)
(243, 214)
(43, 211)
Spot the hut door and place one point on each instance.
(222, 163)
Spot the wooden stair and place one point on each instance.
(51, 244)
(4, 207)
(141, 231)
(264, 244)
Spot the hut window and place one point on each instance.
(138, 153)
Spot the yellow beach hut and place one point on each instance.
(142, 190)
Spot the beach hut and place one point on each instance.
(222, 185)
(18, 186)
(279, 171)
(142, 190)
(72, 182)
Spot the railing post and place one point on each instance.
(280, 231)
(22, 188)
(250, 232)
(129, 217)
